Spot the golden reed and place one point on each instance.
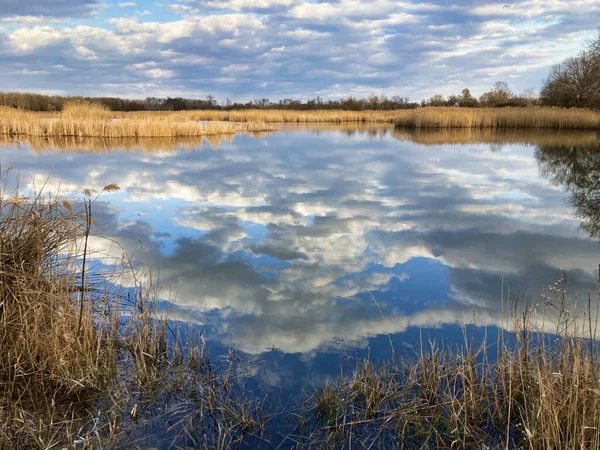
(415, 118)
(93, 120)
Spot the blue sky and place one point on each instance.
(249, 49)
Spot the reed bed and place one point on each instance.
(80, 359)
(531, 390)
(563, 119)
(82, 119)
(89, 120)
(414, 118)
(281, 116)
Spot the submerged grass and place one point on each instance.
(80, 119)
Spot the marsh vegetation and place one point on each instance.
(417, 118)
(83, 120)
(82, 358)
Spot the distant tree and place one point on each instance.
(500, 95)
(36, 102)
(211, 100)
(453, 100)
(436, 100)
(466, 100)
(528, 98)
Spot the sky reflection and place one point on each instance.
(290, 243)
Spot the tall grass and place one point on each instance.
(532, 390)
(53, 357)
(282, 116)
(415, 118)
(79, 357)
(82, 119)
(500, 118)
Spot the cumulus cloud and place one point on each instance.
(379, 46)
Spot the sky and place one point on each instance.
(254, 49)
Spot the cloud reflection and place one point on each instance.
(281, 241)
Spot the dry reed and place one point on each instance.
(527, 390)
(89, 120)
(54, 357)
(77, 358)
(414, 118)
(500, 118)
(82, 119)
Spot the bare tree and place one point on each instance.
(593, 44)
(575, 82)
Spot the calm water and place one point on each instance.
(304, 249)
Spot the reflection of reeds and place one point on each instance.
(415, 118)
(83, 120)
(101, 145)
(531, 391)
(453, 136)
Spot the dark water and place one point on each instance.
(305, 249)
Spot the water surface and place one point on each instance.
(315, 245)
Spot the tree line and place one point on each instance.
(500, 96)
(573, 83)
(38, 102)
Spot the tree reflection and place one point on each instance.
(577, 170)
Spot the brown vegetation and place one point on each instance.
(416, 118)
(78, 360)
(83, 119)
(562, 119)
(277, 116)
(535, 392)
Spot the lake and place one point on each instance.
(306, 249)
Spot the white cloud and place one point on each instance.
(159, 73)
(377, 46)
(30, 20)
(127, 4)
(27, 39)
